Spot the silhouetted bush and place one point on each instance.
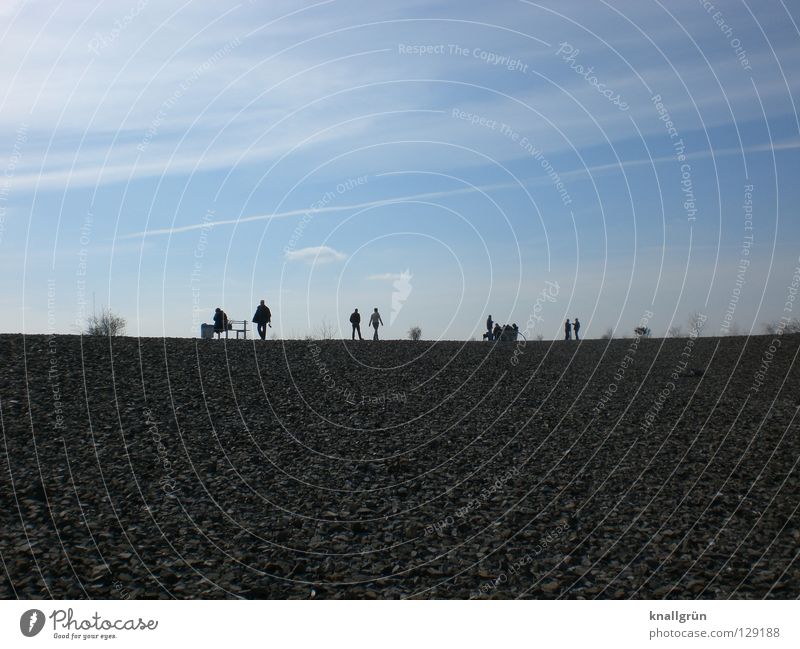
(106, 323)
(675, 332)
(326, 331)
(778, 327)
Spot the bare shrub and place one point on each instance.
(696, 323)
(415, 333)
(608, 335)
(770, 328)
(325, 331)
(675, 331)
(106, 323)
(778, 327)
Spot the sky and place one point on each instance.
(441, 161)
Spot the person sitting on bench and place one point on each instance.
(220, 321)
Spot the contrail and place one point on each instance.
(611, 166)
(311, 210)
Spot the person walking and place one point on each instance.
(489, 323)
(567, 330)
(355, 320)
(262, 317)
(375, 320)
(576, 327)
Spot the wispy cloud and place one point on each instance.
(315, 255)
(385, 277)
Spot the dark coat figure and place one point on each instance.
(567, 330)
(509, 333)
(355, 320)
(496, 331)
(220, 321)
(262, 317)
(576, 326)
(375, 320)
(489, 335)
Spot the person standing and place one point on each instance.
(355, 320)
(262, 318)
(567, 330)
(375, 320)
(489, 323)
(576, 326)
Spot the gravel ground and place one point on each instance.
(175, 468)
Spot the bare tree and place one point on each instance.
(325, 331)
(778, 327)
(540, 337)
(696, 323)
(792, 327)
(415, 333)
(608, 335)
(106, 323)
(675, 331)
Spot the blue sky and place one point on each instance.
(438, 160)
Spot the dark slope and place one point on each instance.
(183, 468)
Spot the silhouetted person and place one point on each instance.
(488, 335)
(375, 321)
(567, 330)
(496, 331)
(220, 321)
(355, 320)
(515, 331)
(576, 326)
(262, 318)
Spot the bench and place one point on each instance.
(236, 326)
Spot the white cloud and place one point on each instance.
(90, 111)
(386, 277)
(315, 255)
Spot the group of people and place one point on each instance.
(263, 319)
(496, 331)
(570, 327)
(374, 321)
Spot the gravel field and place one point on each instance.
(179, 468)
